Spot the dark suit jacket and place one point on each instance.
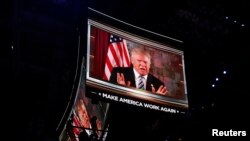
(130, 76)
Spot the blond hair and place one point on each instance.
(140, 50)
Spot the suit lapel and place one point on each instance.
(149, 80)
(132, 77)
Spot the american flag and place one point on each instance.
(117, 55)
(76, 124)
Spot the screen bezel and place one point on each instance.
(133, 93)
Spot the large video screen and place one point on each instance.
(131, 69)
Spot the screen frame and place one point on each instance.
(133, 92)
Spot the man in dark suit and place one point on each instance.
(138, 75)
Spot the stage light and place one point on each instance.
(224, 72)
(217, 79)
(212, 104)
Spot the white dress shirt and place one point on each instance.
(137, 79)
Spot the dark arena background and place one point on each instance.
(45, 61)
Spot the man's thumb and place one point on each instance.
(153, 88)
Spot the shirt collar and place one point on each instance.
(137, 74)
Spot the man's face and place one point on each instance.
(141, 63)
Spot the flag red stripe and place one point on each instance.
(126, 54)
(113, 52)
(119, 49)
(76, 123)
(108, 67)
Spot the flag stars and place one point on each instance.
(114, 38)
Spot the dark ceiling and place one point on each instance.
(39, 47)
